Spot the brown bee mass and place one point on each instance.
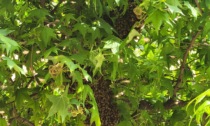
(107, 108)
(124, 23)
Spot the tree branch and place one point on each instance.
(183, 63)
(198, 5)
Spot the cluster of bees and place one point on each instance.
(107, 109)
(134, 16)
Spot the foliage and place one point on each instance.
(154, 55)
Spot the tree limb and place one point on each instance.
(183, 63)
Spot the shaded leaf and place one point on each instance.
(60, 106)
(157, 18)
(47, 34)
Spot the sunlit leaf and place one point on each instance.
(8, 44)
(192, 9)
(99, 59)
(174, 9)
(133, 33)
(3, 122)
(12, 65)
(113, 45)
(94, 110)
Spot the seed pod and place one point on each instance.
(137, 10)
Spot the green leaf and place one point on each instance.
(82, 28)
(78, 77)
(125, 123)
(115, 67)
(206, 28)
(151, 55)
(59, 79)
(39, 13)
(5, 32)
(104, 25)
(3, 122)
(133, 33)
(81, 57)
(173, 2)
(22, 97)
(86, 75)
(8, 44)
(65, 60)
(193, 10)
(99, 59)
(98, 6)
(157, 18)
(95, 116)
(12, 65)
(113, 45)
(207, 2)
(60, 106)
(208, 72)
(47, 34)
(94, 110)
(174, 9)
(49, 51)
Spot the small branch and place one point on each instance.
(198, 5)
(19, 119)
(183, 63)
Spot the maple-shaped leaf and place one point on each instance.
(82, 28)
(157, 18)
(47, 34)
(60, 106)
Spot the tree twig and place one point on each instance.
(19, 119)
(183, 63)
(198, 5)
